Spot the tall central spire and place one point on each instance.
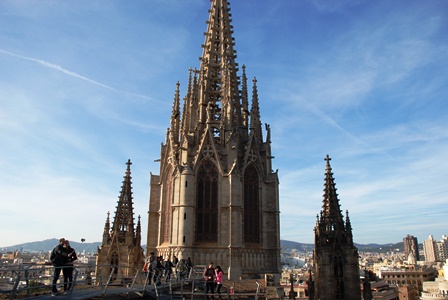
(218, 78)
(215, 110)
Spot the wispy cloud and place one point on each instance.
(335, 6)
(76, 75)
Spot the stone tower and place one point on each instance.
(336, 265)
(121, 245)
(216, 198)
(410, 244)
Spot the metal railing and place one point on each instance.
(233, 290)
(33, 280)
(29, 280)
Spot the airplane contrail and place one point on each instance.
(76, 75)
(329, 120)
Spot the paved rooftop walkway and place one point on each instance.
(98, 293)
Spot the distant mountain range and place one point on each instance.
(48, 245)
(379, 248)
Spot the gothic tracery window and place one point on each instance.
(166, 207)
(207, 203)
(251, 206)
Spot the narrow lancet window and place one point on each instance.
(207, 203)
(166, 206)
(252, 216)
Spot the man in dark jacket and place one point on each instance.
(149, 262)
(189, 264)
(157, 269)
(67, 271)
(58, 258)
(168, 265)
(209, 276)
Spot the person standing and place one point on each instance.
(168, 265)
(189, 265)
(67, 271)
(175, 260)
(157, 269)
(209, 276)
(148, 266)
(218, 279)
(58, 258)
(181, 269)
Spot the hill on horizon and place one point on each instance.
(372, 247)
(49, 244)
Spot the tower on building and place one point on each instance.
(336, 265)
(430, 247)
(121, 244)
(410, 244)
(216, 196)
(442, 249)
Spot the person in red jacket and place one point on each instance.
(218, 279)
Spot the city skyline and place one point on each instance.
(85, 86)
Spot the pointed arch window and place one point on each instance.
(207, 203)
(114, 262)
(251, 205)
(166, 207)
(338, 266)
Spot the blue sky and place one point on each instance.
(87, 85)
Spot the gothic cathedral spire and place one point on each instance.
(123, 223)
(336, 265)
(218, 80)
(216, 198)
(121, 245)
(331, 216)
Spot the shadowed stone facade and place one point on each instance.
(216, 197)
